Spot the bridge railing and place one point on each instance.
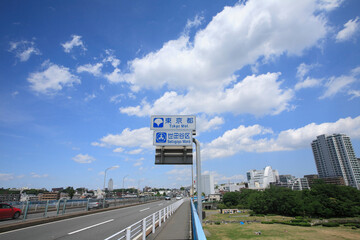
(147, 225)
(63, 206)
(198, 232)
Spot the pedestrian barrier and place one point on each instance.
(198, 232)
(147, 225)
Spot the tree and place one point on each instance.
(70, 191)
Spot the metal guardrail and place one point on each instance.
(64, 205)
(147, 225)
(198, 232)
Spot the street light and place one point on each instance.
(122, 195)
(113, 167)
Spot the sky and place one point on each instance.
(80, 80)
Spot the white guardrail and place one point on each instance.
(147, 225)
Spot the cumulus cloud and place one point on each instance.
(24, 49)
(141, 137)
(81, 158)
(204, 124)
(256, 139)
(349, 30)
(338, 84)
(52, 79)
(258, 95)
(204, 68)
(74, 42)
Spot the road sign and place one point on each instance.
(173, 155)
(173, 138)
(173, 122)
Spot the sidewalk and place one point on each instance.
(177, 227)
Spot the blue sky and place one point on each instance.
(80, 80)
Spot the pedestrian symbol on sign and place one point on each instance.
(161, 137)
(158, 122)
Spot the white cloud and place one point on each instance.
(253, 138)
(24, 49)
(236, 37)
(119, 149)
(258, 95)
(52, 79)
(337, 84)
(350, 28)
(141, 137)
(198, 20)
(354, 94)
(6, 176)
(116, 98)
(81, 158)
(92, 69)
(89, 97)
(35, 175)
(328, 5)
(74, 42)
(308, 83)
(303, 70)
(180, 171)
(135, 151)
(203, 124)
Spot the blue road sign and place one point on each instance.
(161, 137)
(158, 123)
(173, 138)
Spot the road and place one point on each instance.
(95, 226)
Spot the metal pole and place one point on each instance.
(198, 179)
(122, 195)
(105, 177)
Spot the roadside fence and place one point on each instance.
(60, 207)
(147, 225)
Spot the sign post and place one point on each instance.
(173, 140)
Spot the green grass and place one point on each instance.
(270, 231)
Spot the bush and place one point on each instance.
(357, 225)
(217, 223)
(331, 224)
(299, 220)
(265, 222)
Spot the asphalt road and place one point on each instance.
(95, 226)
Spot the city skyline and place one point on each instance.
(264, 78)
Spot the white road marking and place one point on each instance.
(160, 204)
(144, 209)
(90, 226)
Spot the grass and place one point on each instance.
(270, 231)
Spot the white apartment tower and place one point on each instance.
(207, 184)
(111, 184)
(261, 179)
(335, 157)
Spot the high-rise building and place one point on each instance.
(261, 179)
(111, 184)
(207, 184)
(335, 157)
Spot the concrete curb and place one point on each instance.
(29, 223)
